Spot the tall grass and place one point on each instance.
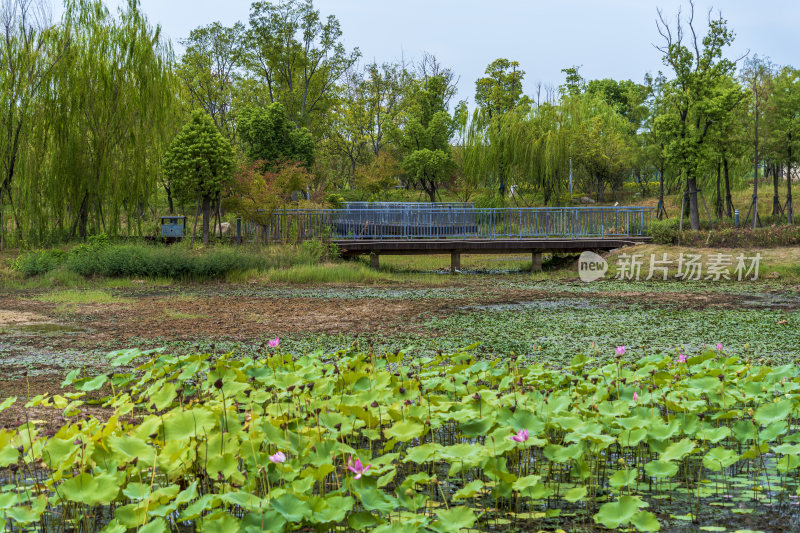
(165, 262)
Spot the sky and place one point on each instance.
(607, 38)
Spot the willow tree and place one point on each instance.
(530, 141)
(30, 50)
(536, 144)
(113, 105)
(602, 144)
(497, 93)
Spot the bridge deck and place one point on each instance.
(481, 246)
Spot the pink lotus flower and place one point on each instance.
(719, 346)
(278, 457)
(521, 436)
(357, 468)
(620, 350)
(682, 358)
(274, 342)
(635, 396)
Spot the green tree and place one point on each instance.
(369, 101)
(208, 70)
(112, 110)
(625, 97)
(574, 83)
(424, 133)
(200, 163)
(728, 143)
(782, 117)
(270, 136)
(30, 51)
(757, 75)
(601, 143)
(696, 97)
(497, 93)
(298, 56)
(653, 137)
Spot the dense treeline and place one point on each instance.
(102, 128)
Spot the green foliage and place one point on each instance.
(38, 262)
(200, 160)
(297, 57)
(104, 106)
(667, 232)
(424, 135)
(664, 231)
(271, 137)
(425, 444)
(500, 90)
(699, 97)
(170, 262)
(625, 97)
(199, 163)
(208, 70)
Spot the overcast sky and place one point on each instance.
(608, 38)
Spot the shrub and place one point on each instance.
(723, 235)
(664, 231)
(39, 262)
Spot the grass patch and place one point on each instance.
(90, 296)
(180, 315)
(784, 261)
(327, 273)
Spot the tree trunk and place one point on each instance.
(728, 199)
(196, 215)
(661, 210)
(776, 202)
(431, 191)
(789, 207)
(206, 217)
(169, 200)
(755, 176)
(719, 193)
(83, 217)
(694, 212)
(599, 190)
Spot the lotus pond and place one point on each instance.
(366, 441)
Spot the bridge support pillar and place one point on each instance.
(536, 262)
(455, 262)
(375, 261)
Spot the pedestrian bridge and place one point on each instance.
(377, 228)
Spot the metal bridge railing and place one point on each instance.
(295, 225)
